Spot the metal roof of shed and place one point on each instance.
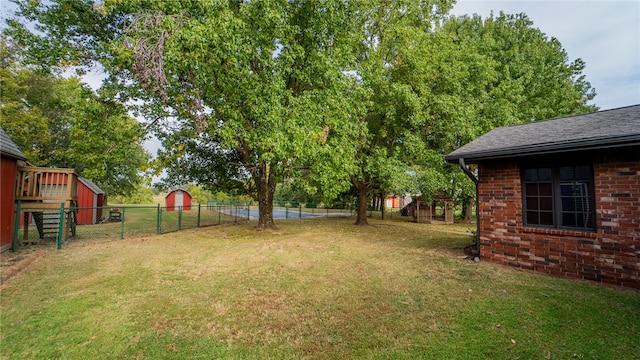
(603, 129)
(91, 185)
(177, 189)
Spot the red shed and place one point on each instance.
(392, 202)
(90, 202)
(10, 155)
(178, 198)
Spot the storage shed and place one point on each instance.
(10, 155)
(392, 202)
(561, 196)
(90, 202)
(178, 199)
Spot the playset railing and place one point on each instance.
(46, 185)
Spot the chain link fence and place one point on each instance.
(58, 226)
(294, 209)
(55, 225)
(302, 210)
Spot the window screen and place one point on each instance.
(559, 197)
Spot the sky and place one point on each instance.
(604, 34)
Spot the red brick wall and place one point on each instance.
(610, 255)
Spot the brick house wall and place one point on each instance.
(609, 255)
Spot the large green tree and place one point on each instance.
(494, 72)
(439, 84)
(61, 122)
(242, 93)
(392, 34)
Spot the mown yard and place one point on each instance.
(317, 289)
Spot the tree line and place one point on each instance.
(334, 98)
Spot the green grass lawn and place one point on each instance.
(317, 289)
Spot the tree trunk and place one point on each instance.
(264, 179)
(361, 187)
(382, 205)
(468, 210)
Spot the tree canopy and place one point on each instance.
(61, 122)
(391, 33)
(506, 72)
(336, 95)
(243, 93)
(438, 85)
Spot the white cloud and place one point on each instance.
(605, 34)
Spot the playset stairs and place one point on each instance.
(48, 223)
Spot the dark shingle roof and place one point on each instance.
(91, 185)
(8, 148)
(604, 129)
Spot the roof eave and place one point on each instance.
(13, 155)
(527, 151)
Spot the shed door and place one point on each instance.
(179, 198)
